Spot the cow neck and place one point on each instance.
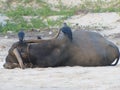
(28, 53)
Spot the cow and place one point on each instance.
(77, 48)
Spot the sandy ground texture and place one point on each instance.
(67, 78)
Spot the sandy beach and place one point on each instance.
(66, 78)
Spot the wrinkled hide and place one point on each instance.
(86, 49)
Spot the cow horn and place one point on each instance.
(40, 40)
(56, 35)
(15, 51)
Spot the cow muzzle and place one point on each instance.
(10, 65)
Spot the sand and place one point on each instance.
(65, 78)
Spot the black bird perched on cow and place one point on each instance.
(67, 31)
(21, 36)
(39, 37)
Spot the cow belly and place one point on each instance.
(85, 57)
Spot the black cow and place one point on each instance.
(83, 48)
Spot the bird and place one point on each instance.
(21, 36)
(39, 37)
(67, 31)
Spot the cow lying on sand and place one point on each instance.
(81, 48)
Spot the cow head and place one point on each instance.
(14, 58)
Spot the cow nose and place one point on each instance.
(7, 66)
(10, 66)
